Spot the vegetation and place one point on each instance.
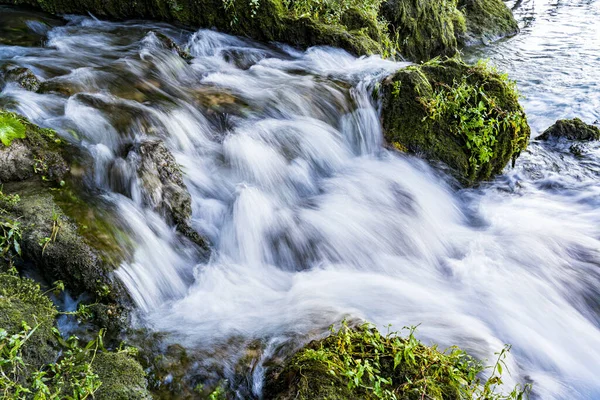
(36, 362)
(416, 29)
(10, 129)
(362, 363)
(467, 116)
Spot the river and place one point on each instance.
(310, 219)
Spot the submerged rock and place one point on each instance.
(571, 129)
(467, 116)
(25, 27)
(487, 20)
(21, 76)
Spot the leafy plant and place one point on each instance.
(71, 377)
(10, 240)
(474, 116)
(390, 367)
(10, 129)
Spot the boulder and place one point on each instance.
(424, 29)
(571, 129)
(467, 116)
(487, 20)
(123, 378)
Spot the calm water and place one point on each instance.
(311, 220)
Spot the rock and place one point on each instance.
(487, 20)
(571, 129)
(162, 181)
(170, 44)
(31, 150)
(122, 377)
(436, 110)
(21, 76)
(16, 162)
(424, 29)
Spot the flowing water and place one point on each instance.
(310, 218)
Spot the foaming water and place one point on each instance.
(310, 218)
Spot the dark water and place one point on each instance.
(310, 218)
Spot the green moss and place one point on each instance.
(122, 377)
(571, 129)
(22, 301)
(487, 19)
(361, 363)
(467, 116)
(424, 29)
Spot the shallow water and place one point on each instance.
(311, 220)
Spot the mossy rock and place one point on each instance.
(466, 116)
(67, 255)
(424, 28)
(122, 377)
(21, 300)
(358, 362)
(487, 20)
(571, 129)
(27, 149)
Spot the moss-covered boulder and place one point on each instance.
(571, 129)
(361, 363)
(424, 29)
(21, 301)
(467, 116)
(123, 378)
(487, 20)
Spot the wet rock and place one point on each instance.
(36, 150)
(487, 20)
(21, 76)
(170, 44)
(51, 241)
(437, 110)
(571, 129)
(162, 181)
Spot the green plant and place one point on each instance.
(10, 240)
(10, 129)
(71, 377)
(474, 116)
(376, 366)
